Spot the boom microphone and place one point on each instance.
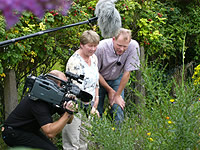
(109, 19)
(107, 16)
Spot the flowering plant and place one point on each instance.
(12, 9)
(196, 75)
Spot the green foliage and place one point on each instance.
(163, 25)
(160, 27)
(129, 16)
(157, 25)
(23, 148)
(2, 34)
(166, 118)
(171, 121)
(25, 55)
(46, 50)
(163, 121)
(152, 30)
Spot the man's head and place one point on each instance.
(121, 41)
(58, 74)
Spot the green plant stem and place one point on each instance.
(183, 52)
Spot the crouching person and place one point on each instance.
(31, 124)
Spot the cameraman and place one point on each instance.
(22, 127)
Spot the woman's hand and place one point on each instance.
(94, 111)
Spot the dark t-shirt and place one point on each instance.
(30, 115)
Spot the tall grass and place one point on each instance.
(168, 118)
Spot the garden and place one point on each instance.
(164, 112)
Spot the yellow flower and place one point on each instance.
(113, 128)
(26, 29)
(33, 53)
(16, 31)
(170, 122)
(31, 25)
(150, 139)
(32, 60)
(94, 27)
(196, 75)
(149, 133)
(26, 22)
(172, 100)
(131, 129)
(3, 75)
(42, 26)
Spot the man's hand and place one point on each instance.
(70, 106)
(111, 94)
(117, 99)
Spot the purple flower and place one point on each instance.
(37, 7)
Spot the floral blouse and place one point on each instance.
(77, 65)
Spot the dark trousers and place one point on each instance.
(19, 138)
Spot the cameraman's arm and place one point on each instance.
(52, 129)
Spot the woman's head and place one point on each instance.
(89, 37)
(88, 42)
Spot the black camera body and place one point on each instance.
(43, 88)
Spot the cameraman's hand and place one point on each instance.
(94, 111)
(71, 106)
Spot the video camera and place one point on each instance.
(44, 88)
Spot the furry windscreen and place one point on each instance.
(109, 19)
